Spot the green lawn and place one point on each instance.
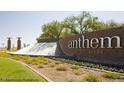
(15, 71)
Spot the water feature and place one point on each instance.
(41, 49)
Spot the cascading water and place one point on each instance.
(41, 49)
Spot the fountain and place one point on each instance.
(38, 49)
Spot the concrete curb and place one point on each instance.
(46, 78)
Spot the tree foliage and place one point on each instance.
(51, 30)
(75, 25)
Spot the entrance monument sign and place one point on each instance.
(94, 42)
(105, 46)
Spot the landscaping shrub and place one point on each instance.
(23, 58)
(77, 73)
(121, 71)
(34, 63)
(45, 63)
(75, 67)
(41, 61)
(3, 54)
(57, 62)
(38, 58)
(91, 77)
(40, 66)
(61, 68)
(29, 62)
(112, 75)
(34, 60)
(16, 57)
(52, 65)
(45, 59)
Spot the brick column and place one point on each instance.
(9, 43)
(19, 43)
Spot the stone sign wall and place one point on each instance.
(105, 46)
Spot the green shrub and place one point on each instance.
(34, 60)
(61, 68)
(52, 65)
(57, 62)
(3, 54)
(34, 63)
(91, 77)
(38, 58)
(112, 75)
(45, 59)
(121, 71)
(75, 67)
(40, 66)
(45, 63)
(77, 73)
(16, 57)
(28, 62)
(41, 61)
(24, 58)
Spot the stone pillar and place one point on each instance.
(19, 43)
(9, 43)
(24, 45)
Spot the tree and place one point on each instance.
(75, 25)
(93, 24)
(51, 30)
(112, 24)
(70, 24)
(82, 21)
(122, 25)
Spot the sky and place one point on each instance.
(28, 24)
